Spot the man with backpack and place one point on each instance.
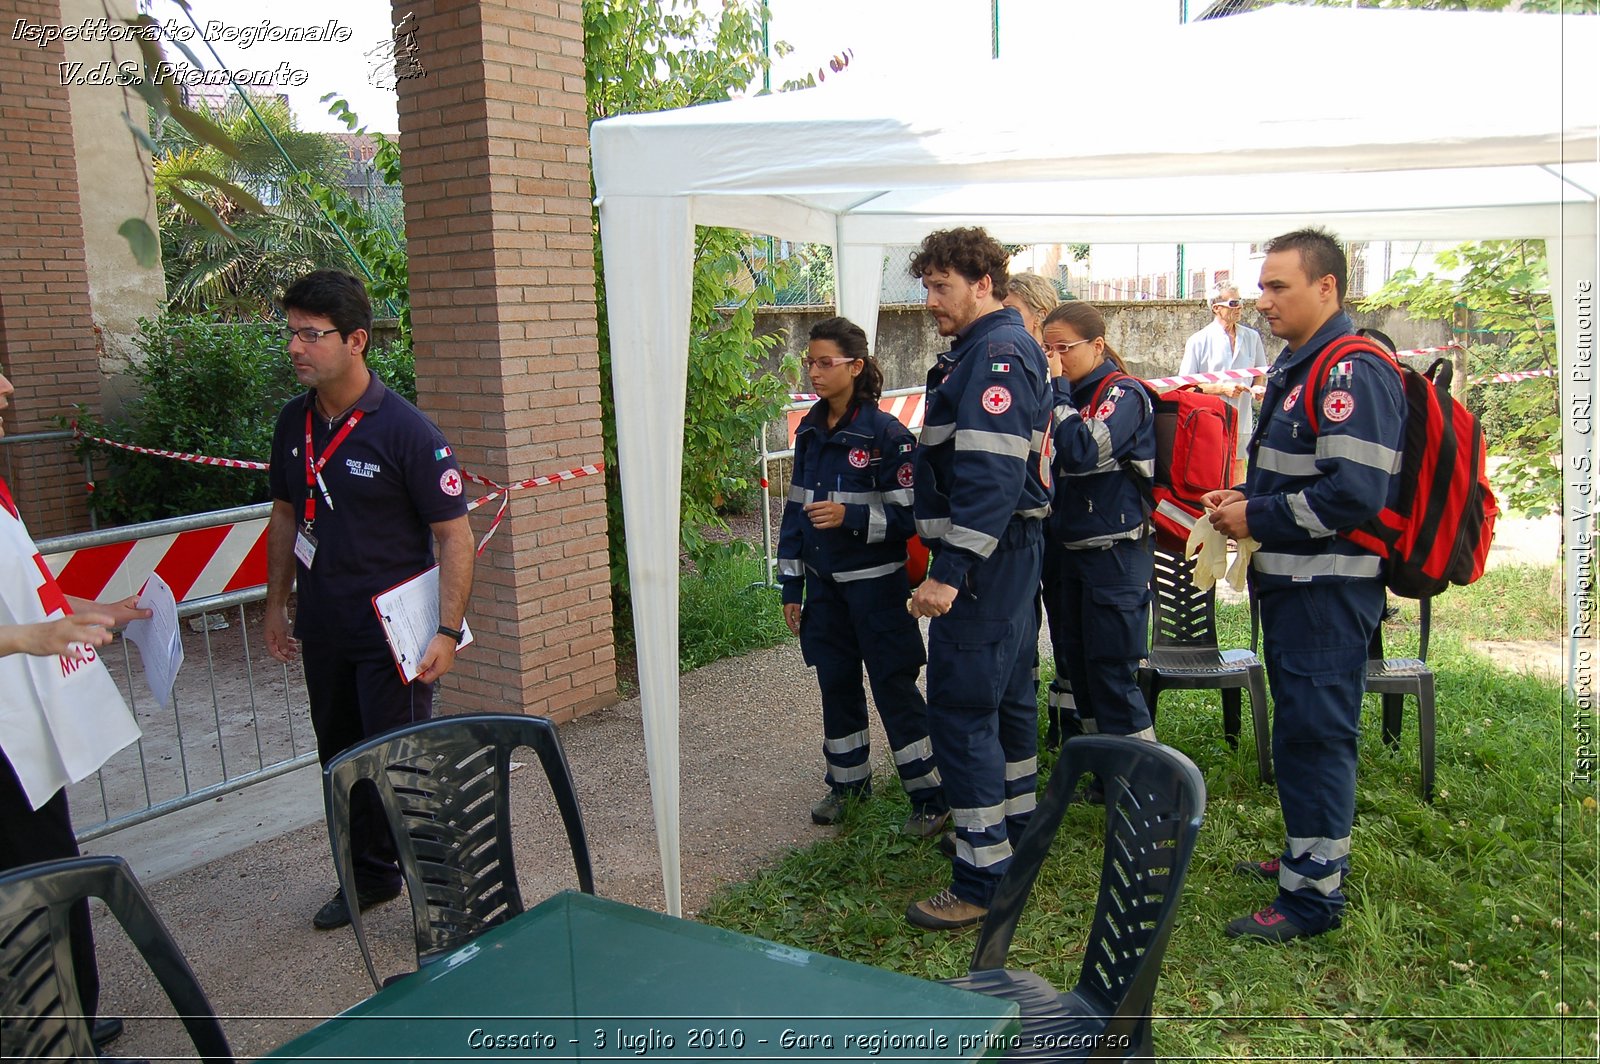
(1322, 460)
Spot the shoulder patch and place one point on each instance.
(904, 475)
(450, 482)
(1338, 405)
(999, 367)
(1106, 408)
(997, 399)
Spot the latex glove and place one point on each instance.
(1209, 549)
(1239, 571)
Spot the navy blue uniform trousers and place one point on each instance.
(1315, 642)
(983, 707)
(356, 693)
(1102, 598)
(844, 626)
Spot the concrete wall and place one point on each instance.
(1148, 334)
(114, 184)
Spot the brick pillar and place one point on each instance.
(48, 345)
(496, 160)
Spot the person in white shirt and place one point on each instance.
(61, 717)
(1225, 344)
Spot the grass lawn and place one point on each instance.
(1471, 931)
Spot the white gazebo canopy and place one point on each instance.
(1378, 124)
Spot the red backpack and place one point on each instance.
(1439, 532)
(1197, 436)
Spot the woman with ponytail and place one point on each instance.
(1105, 444)
(842, 550)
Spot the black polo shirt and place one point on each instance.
(390, 478)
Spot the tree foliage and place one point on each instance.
(1496, 295)
(650, 55)
(236, 227)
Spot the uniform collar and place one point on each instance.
(817, 418)
(1335, 327)
(963, 340)
(369, 402)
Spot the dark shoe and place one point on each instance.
(1052, 728)
(944, 912)
(829, 809)
(103, 1059)
(1090, 790)
(947, 844)
(1267, 870)
(1269, 925)
(925, 824)
(106, 1029)
(336, 913)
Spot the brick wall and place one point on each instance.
(493, 131)
(48, 345)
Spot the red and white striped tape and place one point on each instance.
(196, 564)
(182, 456)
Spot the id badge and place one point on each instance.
(305, 546)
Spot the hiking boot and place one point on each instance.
(336, 913)
(925, 824)
(1267, 870)
(947, 844)
(829, 809)
(944, 912)
(1270, 925)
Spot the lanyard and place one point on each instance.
(314, 481)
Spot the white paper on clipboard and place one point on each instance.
(409, 614)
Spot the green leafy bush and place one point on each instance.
(205, 388)
(726, 608)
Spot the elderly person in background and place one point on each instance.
(1223, 345)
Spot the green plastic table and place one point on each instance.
(582, 978)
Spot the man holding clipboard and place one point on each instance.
(362, 484)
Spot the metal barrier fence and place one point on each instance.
(242, 719)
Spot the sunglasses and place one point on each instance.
(1230, 303)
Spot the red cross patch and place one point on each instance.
(450, 482)
(903, 475)
(1290, 399)
(858, 457)
(1336, 406)
(997, 400)
(1105, 410)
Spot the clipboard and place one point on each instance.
(409, 614)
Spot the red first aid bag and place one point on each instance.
(1440, 529)
(1197, 436)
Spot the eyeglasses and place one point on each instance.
(813, 364)
(1061, 349)
(1229, 303)
(307, 336)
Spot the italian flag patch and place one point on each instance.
(442, 453)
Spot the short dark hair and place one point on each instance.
(971, 252)
(852, 340)
(1320, 255)
(335, 295)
